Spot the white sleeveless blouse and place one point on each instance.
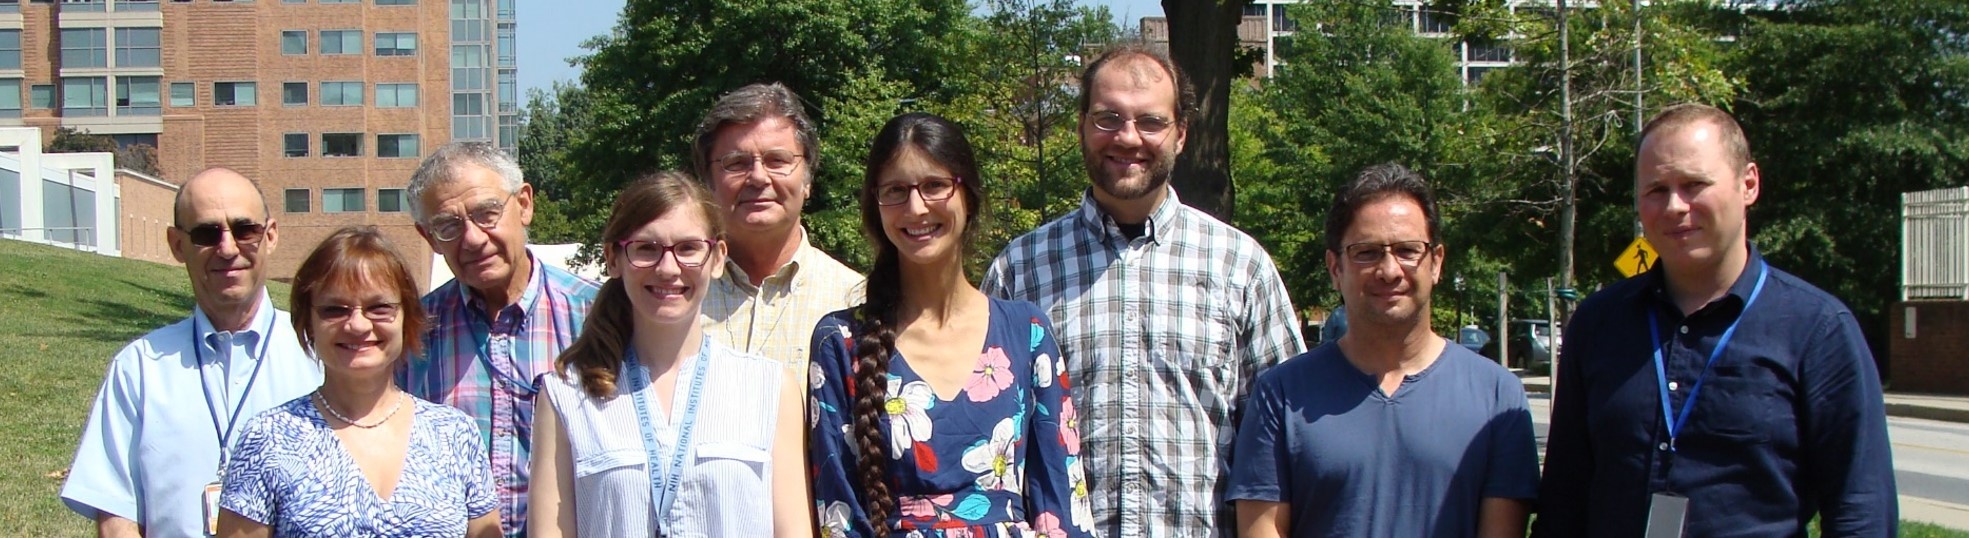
(727, 486)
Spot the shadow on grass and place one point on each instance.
(113, 321)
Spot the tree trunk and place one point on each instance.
(1203, 43)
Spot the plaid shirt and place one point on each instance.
(1162, 336)
(776, 320)
(522, 345)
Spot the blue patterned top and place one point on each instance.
(289, 472)
(999, 459)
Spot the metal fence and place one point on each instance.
(1935, 244)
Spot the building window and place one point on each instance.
(297, 199)
(85, 47)
(41, 96)
(467, 9)
(341, 200)
(396, 146)
(341, 41)
(138, 47)
(396, 43)
(293, 42)
(293, 1)
(183, 94)
(341, 93)
(137, 96)
(82, 5)
(508, 56)
(341, 144)
(509, 91)
(295, 145)
(396, 2)
(85, 96)
(294, 93)
(10, 98)
(396, 95)
(10, 49)
(339, 1)
(390, 200)
(10, 6)
(468, 68)
(234, 93)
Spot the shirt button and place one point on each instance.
(1662, 447)
(1685, 329)
(1672, 385)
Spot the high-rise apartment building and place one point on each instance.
(1265, 23)
(329, 104)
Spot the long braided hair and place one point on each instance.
(875, 332)
(597, 354)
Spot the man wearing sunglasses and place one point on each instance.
(757, 151)
(1163, 313)
(158, 434)
(1714, 394)
(1391, 430)
(499, 324)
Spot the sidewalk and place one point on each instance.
(1923, 406)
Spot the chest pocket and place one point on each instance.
(1739, 404)
(1194, 329)
(591, 464)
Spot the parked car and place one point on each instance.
(1532, 344)
(1472, 338)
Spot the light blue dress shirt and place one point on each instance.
(150, 446)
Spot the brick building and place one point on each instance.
(329, 104)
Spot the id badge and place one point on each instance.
(1666, 514)
(211, 504)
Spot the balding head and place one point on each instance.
(223, 234)
(215, 181)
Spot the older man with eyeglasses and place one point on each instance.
(758, 152)
(505, 316)
(149, 461)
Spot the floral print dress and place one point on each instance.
(1001, 459)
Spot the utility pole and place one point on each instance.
(1639, 88)
(1567, 160)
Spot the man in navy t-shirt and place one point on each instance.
(1391, 430)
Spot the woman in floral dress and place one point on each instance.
(938, 411)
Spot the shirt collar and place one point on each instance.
(801, 257)
(263, 319)
(536, 284)
(1657, 283)
(1163, 220)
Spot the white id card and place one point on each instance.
(211, 505)
(1666, 514)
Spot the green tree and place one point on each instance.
(652, 78)
(1847, 104)
(1362, 90)
(549, 125)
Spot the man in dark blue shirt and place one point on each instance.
(1772, 411)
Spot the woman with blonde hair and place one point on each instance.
(654, 429)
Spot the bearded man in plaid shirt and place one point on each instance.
(1164, 314)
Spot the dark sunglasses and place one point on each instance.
(244, 232)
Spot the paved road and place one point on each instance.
(1931, 463)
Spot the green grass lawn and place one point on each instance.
(63, 314)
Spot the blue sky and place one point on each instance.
(551, 31)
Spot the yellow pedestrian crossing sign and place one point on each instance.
(1638, 257)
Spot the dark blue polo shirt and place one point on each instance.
(1789, 422)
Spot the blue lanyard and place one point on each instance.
(1674, 421)
(198, 353)
(484, 350)
(664, 487)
